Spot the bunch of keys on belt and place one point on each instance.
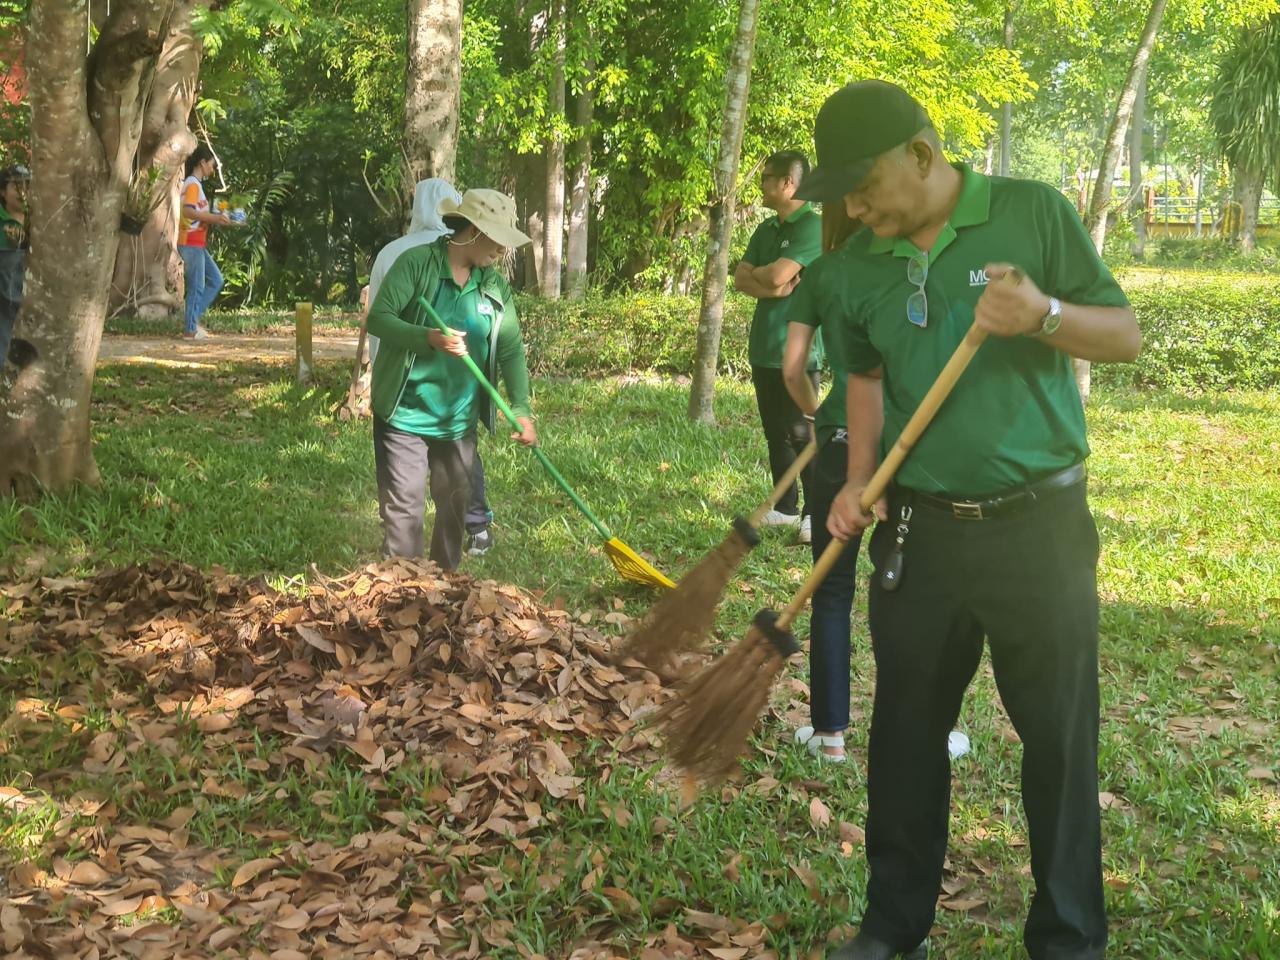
(891, 575)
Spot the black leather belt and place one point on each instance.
(1004, 504)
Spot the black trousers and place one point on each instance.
(479, 514)
(404, 462)
(830, 629)
(785, 430)
(1026, 582)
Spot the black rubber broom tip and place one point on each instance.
(766, 621)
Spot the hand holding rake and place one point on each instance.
(708, 722)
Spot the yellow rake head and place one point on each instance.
(634, 567)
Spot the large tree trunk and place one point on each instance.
(580, 187)
(432, 90)
(716, 270)
(553, 225)
(87, 117)
(1137, 195)
(1100, 202)
(148, 273)
(1248, 193)
(1006, 109)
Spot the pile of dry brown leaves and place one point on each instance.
(476, 680)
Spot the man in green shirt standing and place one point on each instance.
(425, 401)
(781, 247)
(991, 535)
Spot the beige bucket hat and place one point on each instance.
(492, 212)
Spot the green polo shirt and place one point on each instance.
(11, 231)
(1015, 415)
(439, 398)
(798, 237)
(819, 302)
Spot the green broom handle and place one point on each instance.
(511, 418)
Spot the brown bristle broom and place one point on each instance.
(707, 723)
(683, 617)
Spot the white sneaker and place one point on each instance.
(957, 744)
(814, 743)
(806, 530)
(776, 518)
(200, 334)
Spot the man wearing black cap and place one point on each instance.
(991, 534)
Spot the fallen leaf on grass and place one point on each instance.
(852, 833)
(252, 869)
(120, 908)
(819, 815)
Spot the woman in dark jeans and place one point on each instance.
(816, 303)
(13, 249)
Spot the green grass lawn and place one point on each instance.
(244, 471)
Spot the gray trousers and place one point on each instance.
(405, 463)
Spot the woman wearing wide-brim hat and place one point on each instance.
(426, 403)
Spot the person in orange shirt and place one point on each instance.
(203, 278)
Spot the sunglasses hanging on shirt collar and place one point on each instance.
(918, 302)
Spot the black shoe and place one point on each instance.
(864, 947)
(479, 542)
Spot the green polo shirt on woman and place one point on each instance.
(1015, 415)
(796, 237)
(819, 303)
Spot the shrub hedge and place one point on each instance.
(1201, 331)
(626, 333)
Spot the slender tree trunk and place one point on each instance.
(1006, 109)
(580, 188)
(1137, 195)
(530, 196)
(432, 95)
(148, 271)
(1248, 189)
(715, 272)
(989, 156)
(87, 118)
(1100, 202)
(553, 225)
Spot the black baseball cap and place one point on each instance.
(855, 125)
(16, 172)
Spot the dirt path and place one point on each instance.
(224, 348)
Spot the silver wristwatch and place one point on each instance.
(1052, 320)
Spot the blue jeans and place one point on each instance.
(829, 624)
(11, 275)
(203, 281)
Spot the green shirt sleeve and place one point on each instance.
(802, 305)
(511, 358)
(860, 354)
(398, 298)
(1073, 271)
(752, 256)
(806, 240)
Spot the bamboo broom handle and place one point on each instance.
(784, 484)
(880, 480)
